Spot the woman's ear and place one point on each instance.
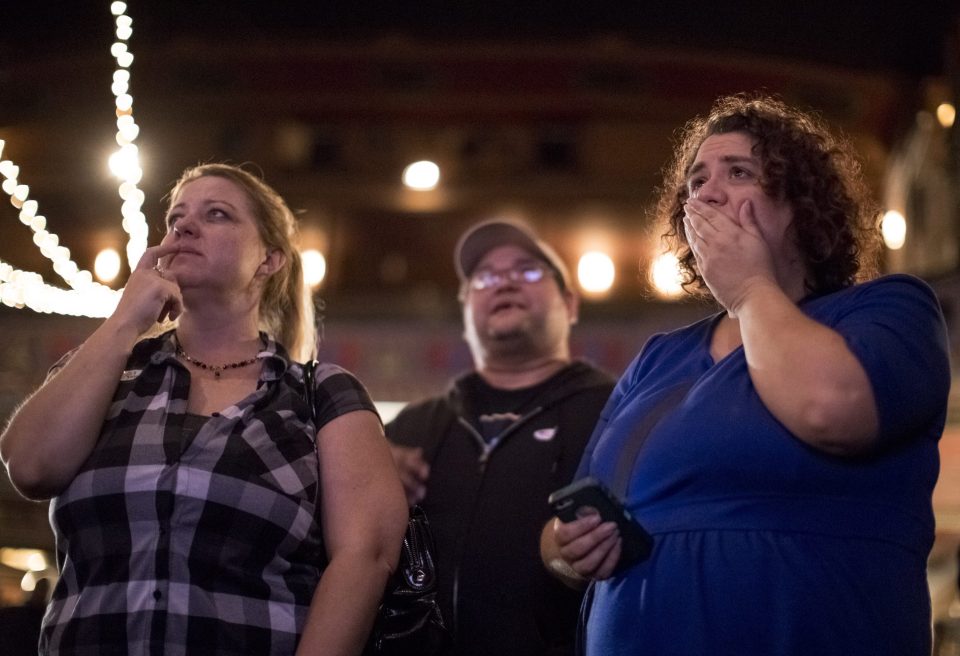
(273, 262)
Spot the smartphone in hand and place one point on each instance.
(636, 542)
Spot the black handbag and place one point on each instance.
(408, 622)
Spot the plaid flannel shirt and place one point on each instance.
(211, 545)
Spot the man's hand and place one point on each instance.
(414, 471)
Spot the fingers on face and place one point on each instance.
(694, 239)
(152, 256)
(165, 273)
(695, 222)
(747, 217)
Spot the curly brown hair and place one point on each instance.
(835, 222)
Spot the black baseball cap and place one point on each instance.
(483, 237)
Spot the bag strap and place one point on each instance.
(310, 395)
(308, 391)
(580, 639)
(628, 456)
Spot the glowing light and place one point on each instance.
(665, 275)
(422, 176)
(106, 266)
(946, 114)
(124, 27)
(28, 211)
(595, 272)
(389, 409)
(893, 227)
(36, 562)
(124, 102)
(125, 162)
(29, 582)
(27, 560)
(85, 297)
(127, 131)
(133, 220)
(314, 267)
(9, 170)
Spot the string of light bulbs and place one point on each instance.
(85, 297)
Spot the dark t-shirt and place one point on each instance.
(493, 410)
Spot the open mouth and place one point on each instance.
(504, 306)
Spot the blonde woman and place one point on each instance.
(197, 505)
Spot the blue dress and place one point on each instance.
(764, 545)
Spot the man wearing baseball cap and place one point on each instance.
(483, 458)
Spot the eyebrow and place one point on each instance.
(207, 203)
(727, 159)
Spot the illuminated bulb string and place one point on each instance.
(125, 163)
(27, 289)
(85, 297)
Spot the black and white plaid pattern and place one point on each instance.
(207, 547)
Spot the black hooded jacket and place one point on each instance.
(487, 506)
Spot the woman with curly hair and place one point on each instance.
(787, 477)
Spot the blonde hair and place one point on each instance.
(286, 306)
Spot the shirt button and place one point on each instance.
(157, 594)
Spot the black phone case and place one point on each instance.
(637, 543)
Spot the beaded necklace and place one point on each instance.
(217, 369)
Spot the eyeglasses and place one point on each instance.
(527, 274)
